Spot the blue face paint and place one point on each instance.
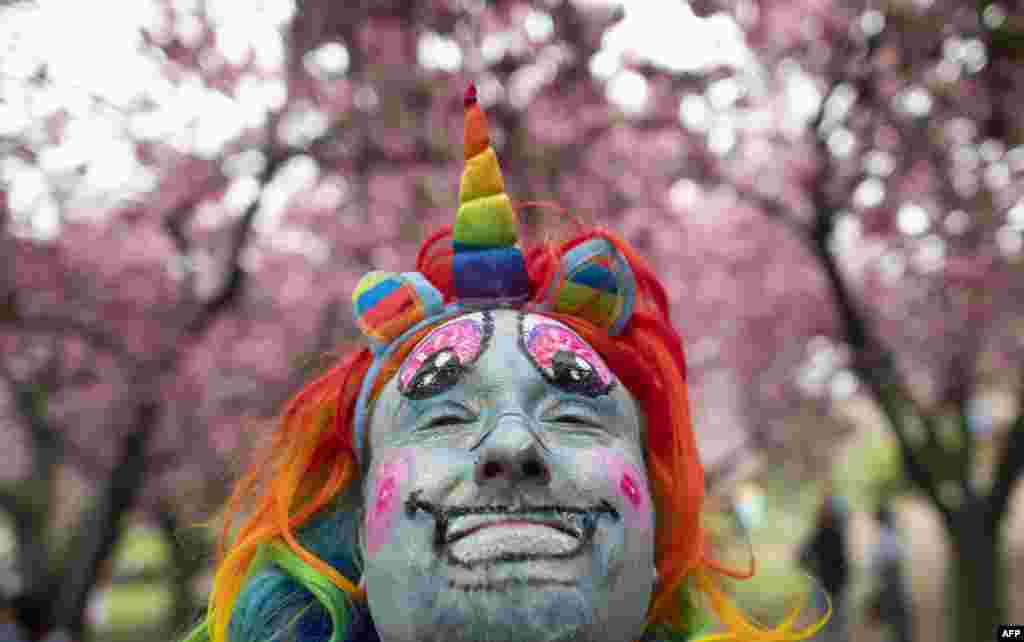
(510, 524)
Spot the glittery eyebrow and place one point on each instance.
(545, 340)
(467, 337)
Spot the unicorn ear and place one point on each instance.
(597, 284)
(386, 304)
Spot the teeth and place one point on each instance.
(459, 525)
(523, 539)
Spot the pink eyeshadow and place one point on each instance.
(464, 336)
(544, 338)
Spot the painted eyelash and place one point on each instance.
(439, 372)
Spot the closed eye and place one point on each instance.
(447, 420)
(569, 419)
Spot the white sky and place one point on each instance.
(99, 77)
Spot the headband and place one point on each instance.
(594, 282)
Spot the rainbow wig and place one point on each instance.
(292, 567)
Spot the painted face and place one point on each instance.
(507, 498)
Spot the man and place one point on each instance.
(890, 604)
(826, 556)
(511, 460)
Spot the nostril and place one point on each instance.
(532, 468)
(491, 469)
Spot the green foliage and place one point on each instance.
(137, 606)
(141, 548)
(771, 594)
(871, 472)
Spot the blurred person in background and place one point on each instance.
(750, 506)
(825, 555)
(890, 602)
(10, 630)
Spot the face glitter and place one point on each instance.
(380, 519)
(629, 489)
(631, 485)
(440, 358)
(563, 357)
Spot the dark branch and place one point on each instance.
(100, 527)
(48, 439)
(189, 551)
(873, 362)
(14, 504)
(231, 287)
(178, 217)
(53, 323)
(875, 365)
(776, 211)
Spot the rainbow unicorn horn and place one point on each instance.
(488, 267)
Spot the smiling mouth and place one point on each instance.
(472, 536)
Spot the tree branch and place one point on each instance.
(48, 439)
(189, 551)
(13, 503)
(231, 286)
(100, 527)
(873, 363)
(774, 210)
(175, 220)
(54, 323)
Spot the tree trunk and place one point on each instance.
(189, 554)
(100, 528)
(977, 579)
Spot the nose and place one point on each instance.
(511, 455)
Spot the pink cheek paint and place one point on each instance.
(382, 511)
(631, 484)
(629, 488)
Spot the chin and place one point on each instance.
(512, 612)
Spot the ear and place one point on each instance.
(597, 284)
(386, 304)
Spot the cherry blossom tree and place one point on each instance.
(831, 190)
(905, 191)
